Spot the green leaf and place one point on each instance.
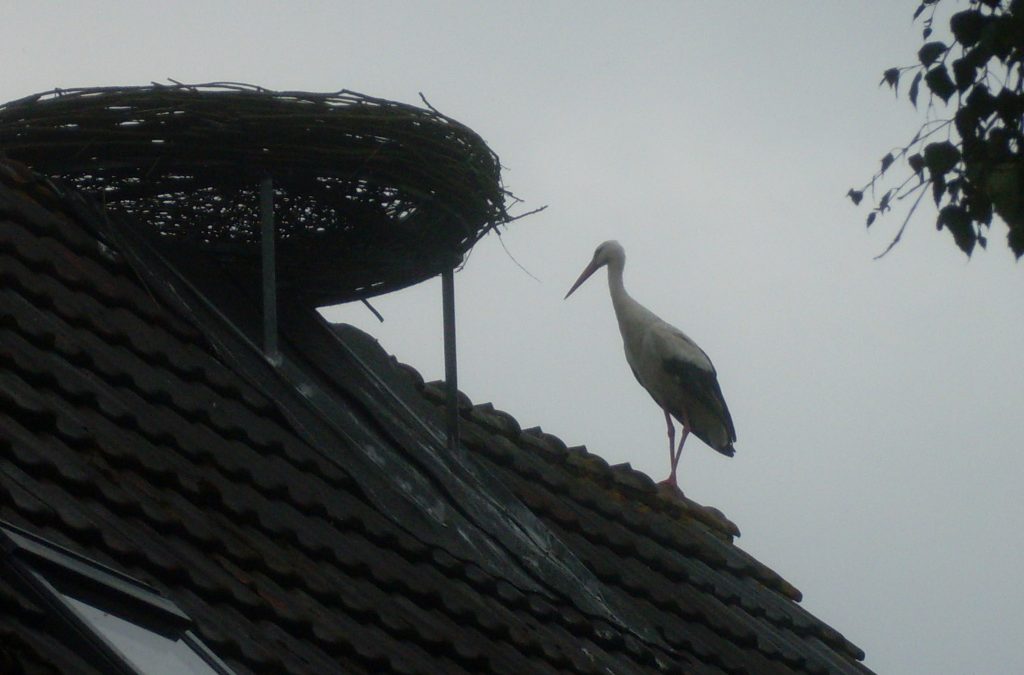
(940, 157)
(1015, 238)
(966, 123)
(914, 87)
(883, 203)
(1010, 107)
(953, 188)
(855, 196)
(887, 162)
(1003, 185)
(980, 209)
(871, 217)
(955, 219)
(916, 163)
(981, 102)
(1003, 37)
(930, 52)
(967, 26)
(891, 77)
(963, 74)
(938, 187)
(939, 82)
(997, 147)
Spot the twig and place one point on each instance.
(906, 220)
(523, 215)
(501, 241)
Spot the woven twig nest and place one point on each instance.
(370, 195)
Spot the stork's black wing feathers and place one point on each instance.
(702, 385)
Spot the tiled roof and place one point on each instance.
(307, 515)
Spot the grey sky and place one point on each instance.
(877, 404)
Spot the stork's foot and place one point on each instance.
(671, 485)
(671, 481)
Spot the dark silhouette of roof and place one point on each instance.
(307, 516)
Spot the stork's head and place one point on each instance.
(608, 253)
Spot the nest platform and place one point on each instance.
(370, 195)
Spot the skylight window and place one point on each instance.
(145, 648)
(125, 625)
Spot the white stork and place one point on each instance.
(671, 367)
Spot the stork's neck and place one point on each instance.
(631, 315)
(615, 285)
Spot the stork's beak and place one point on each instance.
(590, 269)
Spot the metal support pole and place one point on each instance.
(269, 265)
(451, 376)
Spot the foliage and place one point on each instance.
(973, 161)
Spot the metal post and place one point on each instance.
(451, 377)
(269, 265)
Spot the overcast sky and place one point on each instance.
(877, 403)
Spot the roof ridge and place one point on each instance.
(667, 532)
(628, 480)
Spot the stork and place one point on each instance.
(676, 372)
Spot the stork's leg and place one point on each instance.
(672, 457)
(671, 436)
(675, 454)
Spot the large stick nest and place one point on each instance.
(369, 195)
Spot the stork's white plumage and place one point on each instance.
(676, 372)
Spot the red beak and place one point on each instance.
(590, 269)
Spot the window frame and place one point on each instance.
(52, 572)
